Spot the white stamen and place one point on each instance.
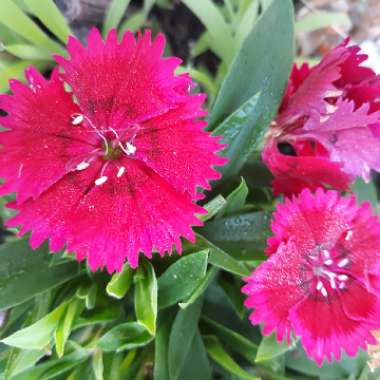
(342, 263)
(342, 285)
(20, 170)
(324, 292)
(328, 262)
(332, 283)
(83, 165)
(319, 285)
(77, 119)
(101, 180)
(326, 253)
(120, 172)
(349, 235)
(131, 149)
(330, 108)
(342, 277)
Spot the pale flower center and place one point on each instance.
(112, 148)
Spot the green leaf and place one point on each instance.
(148, 5)
(235, 341)
(218, 353)
(20, 267)
(366, 192)
(248, 20)
(115, 12)
(231, 287)
(146, 296)
(25, 51)
(243, 236)
(240, 133)
(120, 283)
(38, 335)
(20, 360)
(104, 314)
(48, 13)
(50, 369)
(97, 365)
(236, 200)
(16, 20)
(13, 70)
(221, 259)
(181, 337)
(133, 23)
(200, 289)
(182, 278)
(88, 293)
(197, 365)
(256, 69)
(321, 20)
(161, 343)
(270, 348)
(213, 207)
(65, 325)
(217, 27)
(126, 336)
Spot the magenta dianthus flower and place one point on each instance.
(108, 156)
(327, 132)
(322, 278)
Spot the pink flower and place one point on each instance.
(107, 158)
(322, 278)
(328, 127)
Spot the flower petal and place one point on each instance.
(136, 212)
(119, 84)
(41, 142)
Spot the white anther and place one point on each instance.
(319, 285)
(332, 283)
(120, 172)
(328, 262)
(342, 285)
(131, 149)
(349, 235)
(20, 170)
(77, 119)
(324, 292)
(326, 253)
(342, 277)
(83, 165)
(101, 180)
(342, 263)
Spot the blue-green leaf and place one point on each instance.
(181, 278)
(20, 267)
(181, 337)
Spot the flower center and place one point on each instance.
(328, 269)
(112, 148)
(329, 272)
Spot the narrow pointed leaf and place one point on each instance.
(181, 337)
(120, 283)
(146, 297)
(48, 13)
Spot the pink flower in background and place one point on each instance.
(107, 158)
(322, 279)
(327, 132)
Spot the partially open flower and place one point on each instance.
(112, 167)
(322, 279)
(328, 127)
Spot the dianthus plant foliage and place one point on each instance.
(158, 228)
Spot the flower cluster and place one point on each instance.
(108, 156)
(321, 280)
